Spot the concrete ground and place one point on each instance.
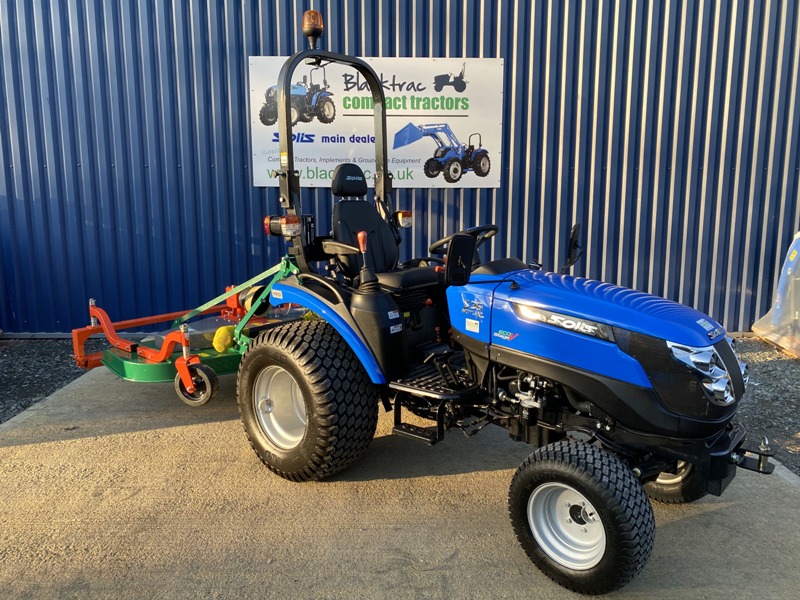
(115, 489)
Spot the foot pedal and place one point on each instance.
(417, 433)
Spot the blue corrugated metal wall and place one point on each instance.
(669, 129)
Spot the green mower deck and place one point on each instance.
(132, 367)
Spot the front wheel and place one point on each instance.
(432, 168)
(268, 114)
(453, 170)
(681, 487)
(581, 517)
(306, 403)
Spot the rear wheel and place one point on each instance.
(581, 517)
(481, 165)
(306, 403)
(326, 110)
(432, 167)
(453, 170)
(681, 487)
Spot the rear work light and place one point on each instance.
(286, 226)
(403, 218)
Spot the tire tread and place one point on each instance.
(621, 491)
(345, 398)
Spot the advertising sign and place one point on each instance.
(444, 121)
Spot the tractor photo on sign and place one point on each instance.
(451, 157)
(309, 100)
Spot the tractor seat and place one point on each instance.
(356, 214)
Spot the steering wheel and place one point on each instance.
(481, 233)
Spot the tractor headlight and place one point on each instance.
(709, 367)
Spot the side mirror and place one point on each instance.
(574, 250)
(460, 252)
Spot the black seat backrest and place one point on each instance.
(349, 181)
(352, 216)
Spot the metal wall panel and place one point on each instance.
(670, 129)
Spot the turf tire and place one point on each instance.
(340, 402)
(620, 504)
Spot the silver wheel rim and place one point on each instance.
(455, 170)
(294, 115)
(566, 526)
(327, 109)
(484, 164)
(279, 407)
(683, 468)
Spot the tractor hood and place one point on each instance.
(578, 303)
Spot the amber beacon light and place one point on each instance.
(312, 27)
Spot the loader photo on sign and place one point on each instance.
(443, 130)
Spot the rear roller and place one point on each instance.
(206, 384)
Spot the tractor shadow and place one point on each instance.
(100, 404)
(395, 457)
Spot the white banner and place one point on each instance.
(444, 121)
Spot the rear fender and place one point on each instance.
(336, 315)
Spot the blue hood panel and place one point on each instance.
(612, 305)
(486, 312)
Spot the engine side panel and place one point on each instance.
(560, 345)
(470, 308)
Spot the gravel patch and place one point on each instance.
(31, 370)
(771, 406)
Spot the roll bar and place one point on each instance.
(289, 177)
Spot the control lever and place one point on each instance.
(368, 281)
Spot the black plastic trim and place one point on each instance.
(636, 407)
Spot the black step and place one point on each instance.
(424, 434)
(426, 380)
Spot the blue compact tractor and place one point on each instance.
(625, 397)
(308, 99)
(452, 158)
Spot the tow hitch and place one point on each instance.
(758, 463)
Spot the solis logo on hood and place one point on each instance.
(505, 335)
(583, 326)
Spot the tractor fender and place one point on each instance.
(335, 314)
